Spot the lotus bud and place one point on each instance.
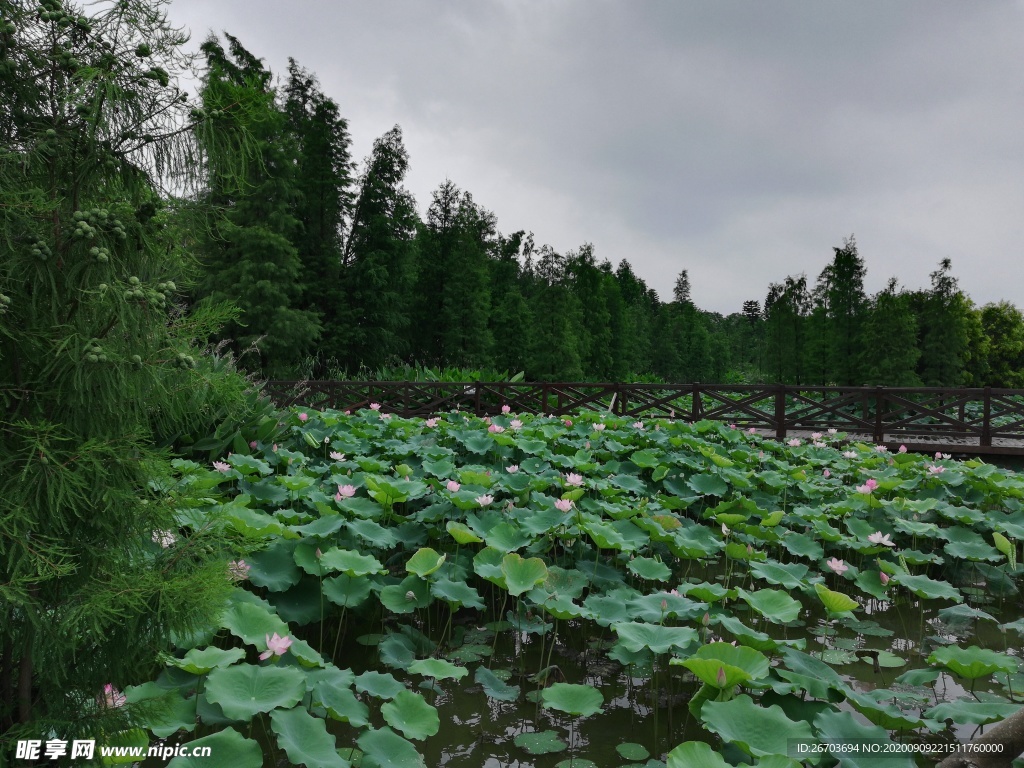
(750, 550)
(705, 619)
(664, 605)
(883, 577)
(720, 677)
(319, 554)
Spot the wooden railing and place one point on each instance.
(981, 420)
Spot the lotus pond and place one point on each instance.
(530, 591)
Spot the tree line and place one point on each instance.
(336, 274)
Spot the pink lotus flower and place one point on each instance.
(881, 538)
(276, 646)
(794, 442)
(487, 419)
(599, 427)
(936, 470)
(453, 486)
(883, 577)
(573, 479)
(484, 500)
(111, 698)
(849, 454)
(506, 409)
(431, 423)
(386, 416)
(587, 445)
(348, 413)
(303, 417)
(882, 448)
(947, 455)
(675, 593)
(816, 435)
(752, 431)
(838, 566)
(827, 473)
(672, 413)
(164, 538)
(238, 570)
(568, 422)
(222, 466)
(638, 425)
(732, 426)
(903, 449)
(868, 487)
(938, 455)
(345, 492)
(252, 444)
(818, 444)
(515, 424)
(374, 406)
(832, 430)
(512, 468)
(274, 448)
(337, 456)
(563, 505)
(495, 429)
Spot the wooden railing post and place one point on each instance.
(695, 403)
(986, 420)
(879, 436)
(780, 411)
(620, 399)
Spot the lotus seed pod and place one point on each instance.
(410, 595)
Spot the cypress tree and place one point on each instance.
(890, 341)
(97, 365)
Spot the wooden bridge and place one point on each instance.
(976, 421)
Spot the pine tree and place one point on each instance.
(97, 365)
(248, 248)
(842, 296)
(943, 320)
(681, 290)
(1003, 324)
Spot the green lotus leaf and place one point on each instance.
(346, 591)
(199, 662)
(844, 731)
(755, 729)
(439, 669)
(383, 748)
(305, 739)
(650, 569)
(425, 562)
(522, 575)
(788, 575)
(378, 684)
(803, 545)
(775, 605)
(928, 588)
(246, 689)
(695, 754)
(494, 686)
(889, 717)
(405, 597)
(397, 651)
(506, 537)
(572, 699)
(274, 567)
(1003, 544)
(373, 533)
(635, 636)
(462, 533)
(540, 743)
(457, 594)
(349, 562)
(228, 745)
(630, 750)
(341, 704)
(835, 602)
(708, 485)
(707, 592)
(973, 662)
(969, 711)
(409, 713)
(724, 665)
(177, 713)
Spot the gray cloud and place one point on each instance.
(739, 140)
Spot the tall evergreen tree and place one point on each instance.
(890, 341)
(510, 321)
(842, 285)
(1003, 325)
(557, 316)
(786, 308)
(943, 322)
(323, 206)
(248, 248)
(96, 366)
(379, 259)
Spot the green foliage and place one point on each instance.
(102, 367)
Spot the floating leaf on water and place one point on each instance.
(540, 743)
(969, 711)
(757, 730)
(439, 669)
(695, 754)
(973, 662)
(632, 751)
(926, 587)
(305, 739)
(409, 713)
(573, 699)
(494, 686)
(383, 748)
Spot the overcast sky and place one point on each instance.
(740, 140)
